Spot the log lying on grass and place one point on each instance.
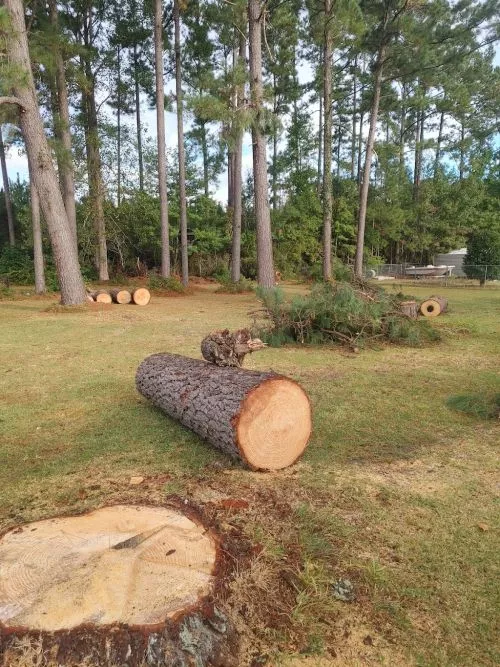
(101, 296)
(264, 419)
(121, 296)
(141, 296)
(434, 306)
(410, 309)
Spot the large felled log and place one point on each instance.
(141, 296)
(121, 296)
(434, 306)
(101, 296)
(262, 418)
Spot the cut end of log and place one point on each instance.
(433, 306)
(274, 424)
(123, 564)
(141, 296)
(121, 296)
(102, 297)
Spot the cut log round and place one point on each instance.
(410, 309)
(434, 306)
(141, 296)
(121, 296)
(262, 418)
(122, 564)
(101, 296)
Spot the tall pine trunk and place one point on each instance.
(138, 117)
(265, 267)
(180, 140)
(118, 126)
(94, 167)
(237, 186)
(363, 194)
(327, 143)
(320, 146)
(354, 111)
(6, 191)
(40, 158)
(402, 130)
(65, 160)
(38, 263)
(204, 152)
(462, 151)
(439, 141)
(160, 127)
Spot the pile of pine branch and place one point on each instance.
(349, 313)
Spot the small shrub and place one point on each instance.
(342, 313)
(171, 284)
(16, 266)
(483, 406)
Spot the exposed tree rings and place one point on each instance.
(274, 424)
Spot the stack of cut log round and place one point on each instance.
(139, 296)
(262, 418)
(434, 306)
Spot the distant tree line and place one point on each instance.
(374, 131)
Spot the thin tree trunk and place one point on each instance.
(40, 287)
(363, 196)
(6, 190)
(265, 266)
(438, 144)
(65, 161)
(138, 118)
(39, 155)
(96, 185)
(238, 158)
(230, 188)
(119, 128)
(160, 126)
(462, 151)
(204, 150)
(180, 139)
(354, 110)
(327, 143)
(402, 129)
(320, 145)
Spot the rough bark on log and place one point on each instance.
(121, 296)
(434, 306)
(141, 296)
(410, 309)
(262, 418)
(101, 296)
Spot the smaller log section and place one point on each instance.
(410, 309)
(434, 306)
(261, 418)
(141, 296)
(121, 296)
(101, 296)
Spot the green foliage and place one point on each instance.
(340, 313)
(16, 267)
(227, 286)
(482, 406)
(483, 255)
(172, 284)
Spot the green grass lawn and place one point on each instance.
(396, 492)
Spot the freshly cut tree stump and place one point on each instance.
(101, 296)
(122, 564)
(141, 296)
(410, 309)
(434, 306)
(264, 419)
(121, 296)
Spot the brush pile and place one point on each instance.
(349, 313)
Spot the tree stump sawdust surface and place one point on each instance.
(260, 417)
(131, 565)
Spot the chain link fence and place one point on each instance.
(441, 275)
